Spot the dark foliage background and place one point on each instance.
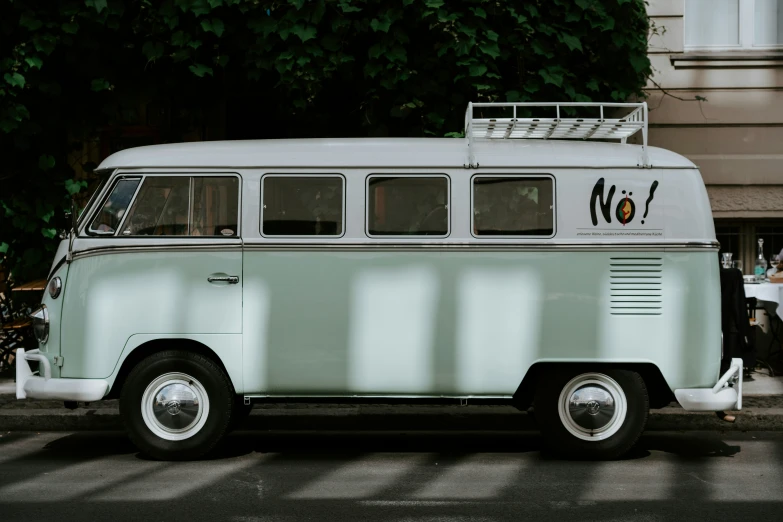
(285, 68)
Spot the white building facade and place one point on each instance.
(729, 52)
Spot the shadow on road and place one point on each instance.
(90, 445)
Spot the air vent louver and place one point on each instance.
(636, 285)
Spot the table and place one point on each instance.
(770, 292)
(34, 286)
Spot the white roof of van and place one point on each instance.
(391, 153)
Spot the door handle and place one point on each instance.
(232, 280)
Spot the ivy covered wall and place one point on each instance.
(77, 74)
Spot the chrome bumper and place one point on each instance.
(725, 395)
(29, 386)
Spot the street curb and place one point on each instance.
(387, 418)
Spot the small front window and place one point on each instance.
(408, 206)
(109, 218)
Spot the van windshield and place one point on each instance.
(91, 201)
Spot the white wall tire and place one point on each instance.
(177, 405)
(591, 413)
(592, 406)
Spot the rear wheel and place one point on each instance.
(176, 405)
(591, 414)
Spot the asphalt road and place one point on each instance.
(434, 476)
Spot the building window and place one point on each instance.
(513, 206)
(729, 238)
(408, 206)
(733, 24)
(740, 237)
(302, 205)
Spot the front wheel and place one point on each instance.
(176, 405)
(595, 414)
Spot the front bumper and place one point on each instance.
(29, 386)
(725, 395)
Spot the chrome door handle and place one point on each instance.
(232, 280)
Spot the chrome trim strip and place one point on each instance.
(379, 396)
(399, 247)
(114, 249)
(132, 168)
(473, 246)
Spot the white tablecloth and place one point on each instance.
(772, 292)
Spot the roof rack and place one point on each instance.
(601, 128)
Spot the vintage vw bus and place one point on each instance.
(575, 276)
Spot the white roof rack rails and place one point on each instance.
(557, 127)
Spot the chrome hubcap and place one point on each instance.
(175, 406)
(592, 406)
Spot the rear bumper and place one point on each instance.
(725, 395)
(29, 386)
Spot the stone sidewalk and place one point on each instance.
(762, 410)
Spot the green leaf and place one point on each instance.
(434, 4)
(179, 38)
(553, 77)
(592, 84)
(477, 70)
(46, 162)
(195, 44)
(99, 5)
(30, 22)
(639, 62)
(33, 61)
(152, 50)
(15, 79)
(571, 41)
(47, 216)
(222, 60)
(479, 12)
(397, 54)
(491, 49)
(49, 233)
(406, 3)
(70, 27)
(381, 25)
(100, 84)
(304, 32)
(492, 35)
(75, 186)
(512, 96)
(4, 248)
(347, 8)
(200, 70)
(213, 26)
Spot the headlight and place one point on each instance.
(41, 324)
(55, 286)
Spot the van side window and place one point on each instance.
(161, 208)
(185, 206)
(109, 218)
(513, 206)
(302, 205)
(408, 206)
(215, 206)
